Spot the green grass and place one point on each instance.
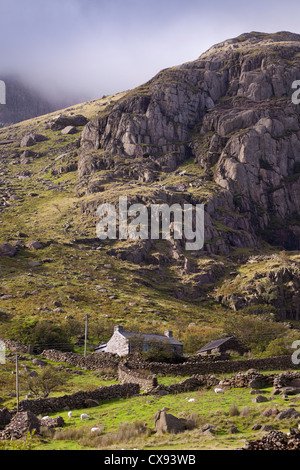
(207, 408)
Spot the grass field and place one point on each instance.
(128, 423)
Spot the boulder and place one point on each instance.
(233, 430)
(27, 141)
(208, 429)
(267, 428)
(257, 383)
(69, 130)
(270, 412)
(62, 121)
(35, 245)
(167, 423)
(290, 391)
(31, 139)
(6, 249)
(290, 413)
(256, 427)
(259, 399)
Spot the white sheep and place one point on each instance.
(190, 400)
(70, 414)
(84, 416)
(95, 430)
(219, 390)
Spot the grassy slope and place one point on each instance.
(111, 416)
(54, 215)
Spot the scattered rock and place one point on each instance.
(256, 427)
(22, 423)
(267, 427)
(35, 245)
(290, 413)
(270, 412)
(52, 422)
(233, 430)
(259, 399)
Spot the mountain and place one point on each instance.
(220, 131)
(22, 102)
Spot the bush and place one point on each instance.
(234, 411)
(41, 334)
(46, 381)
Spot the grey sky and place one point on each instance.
(88, 48)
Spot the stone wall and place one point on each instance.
(16, 346)
(195, 382)
(215, 367)
(91, 361)
(193, 365)
(78, 400)
(146, 381)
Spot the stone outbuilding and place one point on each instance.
(124, 342)
(222, 346)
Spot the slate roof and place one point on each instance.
(101, 347)
(215, 344)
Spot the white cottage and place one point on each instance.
(124, 342)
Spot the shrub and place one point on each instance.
(245, 411)
(41, 334)
(48, 379)
(234, 411)
(125, 433)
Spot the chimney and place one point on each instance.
(118, 328)
(168, 333)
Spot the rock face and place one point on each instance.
(231, 110)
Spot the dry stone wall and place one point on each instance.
(215, 367)
(91, 361)
(145, 381)
(79, 400)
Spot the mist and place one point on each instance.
(78, 50)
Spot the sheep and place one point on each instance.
(219, 390)
(95, 430)
(84, 416)
(190, 400)
(70, 414)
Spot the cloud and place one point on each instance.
(86, 48)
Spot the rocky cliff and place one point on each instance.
(230, 110)
(221, 130)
